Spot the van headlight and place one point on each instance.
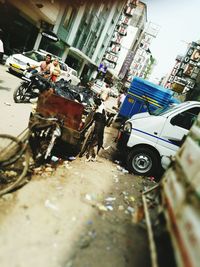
(127, 127)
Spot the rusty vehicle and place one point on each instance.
(56, 120)
(69, 124)
(177, 201)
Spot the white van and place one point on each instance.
(146, 138)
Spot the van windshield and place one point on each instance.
(164, 110)
(34, 55)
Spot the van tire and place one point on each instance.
(143, 161)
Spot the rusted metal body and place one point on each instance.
(70, 112)
(180, 201)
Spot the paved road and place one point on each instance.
(13, 117)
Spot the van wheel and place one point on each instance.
(143, 161)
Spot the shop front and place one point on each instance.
(19, 32)
(81, 63)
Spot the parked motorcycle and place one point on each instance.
(32, 85)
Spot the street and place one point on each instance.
(77, 213)
(13, 117)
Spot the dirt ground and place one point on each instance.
(78, 214)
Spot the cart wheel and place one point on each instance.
(10, 147)
(87, 139)
(12, 176)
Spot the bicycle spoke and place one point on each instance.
(9, 147)
(12, 175)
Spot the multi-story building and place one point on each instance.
(86, 31)
(23, 21)
(86, 34)
(186, 71)
(143, 61)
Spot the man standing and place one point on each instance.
(1, 47)
(105, 92)
(121, 98)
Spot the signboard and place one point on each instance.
(102, 67)
(122, 30)
(117, 38)
(50, 35)
(111, 57)
(126, 65)
(114, 48)
(124, 20)
(129, 10)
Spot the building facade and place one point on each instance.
(89, 34)
(23, 21)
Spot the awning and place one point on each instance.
(82, 55)
(50, 35)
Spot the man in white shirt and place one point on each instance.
(105, 92)
(1, 47)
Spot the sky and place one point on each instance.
(179, 25)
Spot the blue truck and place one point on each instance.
(143, 95)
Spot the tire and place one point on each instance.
(19, 94)
(86, 141)
(10, 148)
(143, 161)
(12, 176)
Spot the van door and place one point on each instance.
(176, 128)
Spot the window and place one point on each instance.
(34, 55)
(69, 14)
(186, 118)
(74, 73)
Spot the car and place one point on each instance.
(97, 86)
(17, 63)
(69, 74)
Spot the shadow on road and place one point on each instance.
(5, 88)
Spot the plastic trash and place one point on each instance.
(54, 159)
(110, 199)
(131, 198)
(71, 158)
(101, 207)
(125, 171)
(7, 104)
(119, 168)
(130, 209)
(109, 207)
(88, 197)
(122, 169)
(50, 205)
(121, 207)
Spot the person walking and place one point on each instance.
(1, 47)
(98, 133)
(105, 92)
(121, 98)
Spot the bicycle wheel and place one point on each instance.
(12, 175)
(86, 141)
(10, 146)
